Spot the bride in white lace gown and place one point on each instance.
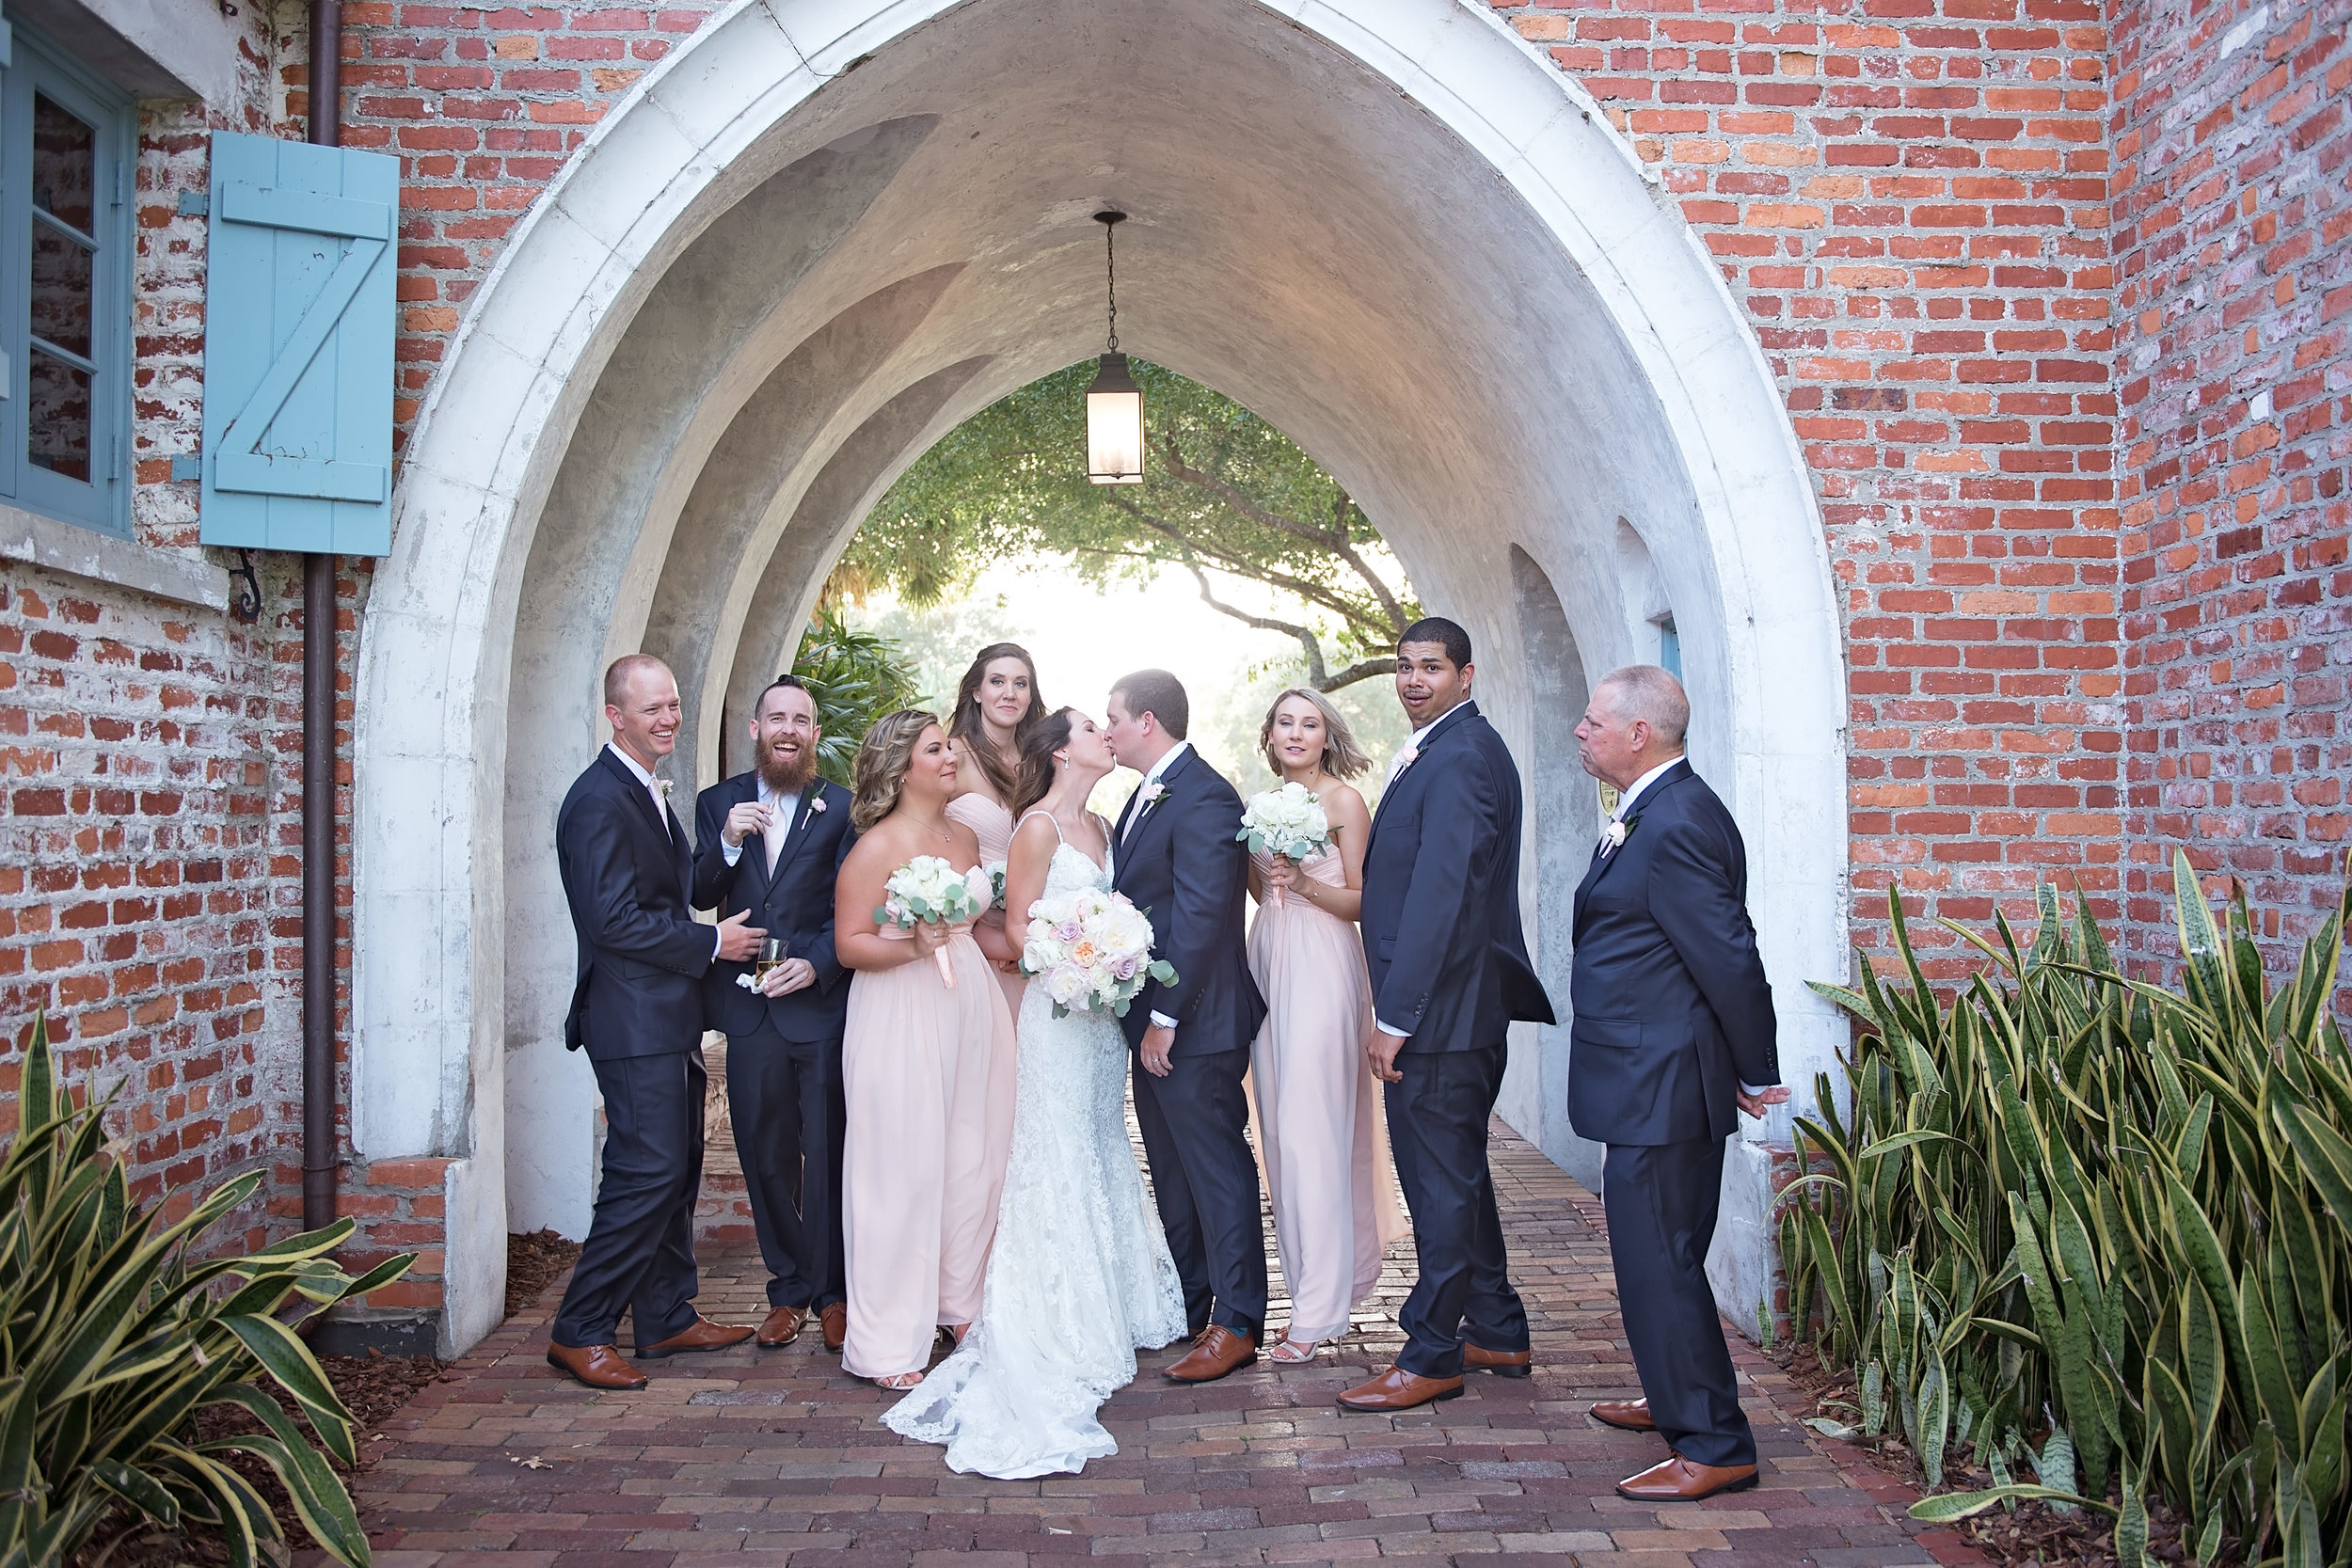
(1080, 1275)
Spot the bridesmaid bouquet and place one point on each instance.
(1090, 948)
(1288, 823)
(995, 870)
(926, 888)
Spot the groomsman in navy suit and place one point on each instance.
(1449, 972)
(769, 844)
(1674, 1028)
(637, 1007)
(1177, 856)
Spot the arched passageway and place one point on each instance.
(824, 231)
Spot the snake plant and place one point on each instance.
(2077, 1221)
(116, 1331)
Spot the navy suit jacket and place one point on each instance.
(1186, 868)
(794, 906)
(1441, 917)
(627, 868)
(1673, 1011)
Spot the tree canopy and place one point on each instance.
(1225, 495)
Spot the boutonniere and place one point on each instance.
(1613, 836)
(665, 786)
(1154, 793)
(815, 798)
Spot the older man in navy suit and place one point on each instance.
(637, 1007)
(1674, 1028)
(769, 844)
(1449, 972)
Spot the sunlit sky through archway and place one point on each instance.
(1084, 638)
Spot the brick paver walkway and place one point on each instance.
(749, 1458)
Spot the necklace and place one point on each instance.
(934, 827)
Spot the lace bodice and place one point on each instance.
(1071, 867)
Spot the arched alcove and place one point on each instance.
(822, 232)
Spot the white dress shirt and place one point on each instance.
(660, 812)
(1397, 764)
(1624, 802)
(1167, 760)
(779, 829)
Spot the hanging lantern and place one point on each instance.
(1114, 403)
(1114, 424)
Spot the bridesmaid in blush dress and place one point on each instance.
(1318, 1128)
(927, 1070)
(997, 706)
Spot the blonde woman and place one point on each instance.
(927, 1070)
(1319, 1132)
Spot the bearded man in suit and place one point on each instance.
(1177, 857)
(637, 1007)
(770, 845)
(1674, 1028)
(1449, 972)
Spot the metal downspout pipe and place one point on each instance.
(318, 750)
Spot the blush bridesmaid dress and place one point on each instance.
(991, 824)
(928, 1071)
(1319, 1130)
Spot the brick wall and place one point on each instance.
(482, 106)
(1908, 197)
(2233, 286)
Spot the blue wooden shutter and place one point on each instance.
(298, 326)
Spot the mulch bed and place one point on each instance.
(371, 1386)
(532, 1264)
(2028, 1534)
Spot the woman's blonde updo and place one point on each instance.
(883, 759)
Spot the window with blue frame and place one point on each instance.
(67, 139)
(1670, 647)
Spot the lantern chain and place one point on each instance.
(1110, 268)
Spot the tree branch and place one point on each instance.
(1307, 639)
(1242, 566)
(1334, 539)
(1359, 671)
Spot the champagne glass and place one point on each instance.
(770, 954)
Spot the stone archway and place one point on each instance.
(822, 233)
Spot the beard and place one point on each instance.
(788, 776)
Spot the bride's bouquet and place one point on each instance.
(1289, 822)
(1091, 948)
(926, 888)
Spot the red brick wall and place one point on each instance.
(1908, 197)
(2234, 289)
(482, 106)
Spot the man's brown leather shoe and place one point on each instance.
(1502, 1363)
(597, 1366)
(781, 1327)
(1398, 1390)
(1624, 1415)
(1218, 1351)
(1679, 1481)
(701, 1335)
(835, 1319)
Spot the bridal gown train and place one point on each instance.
(1081, 1275)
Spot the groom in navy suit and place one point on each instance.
(1449, 972)
(1178, 858)
(1674, 1027)
(769, 844)
(637, 1007)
